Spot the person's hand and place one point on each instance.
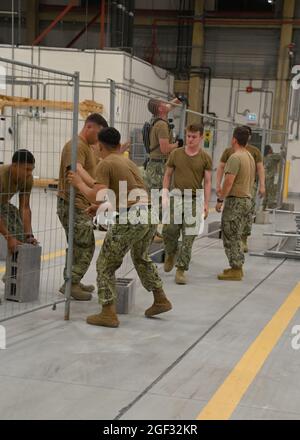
(179, 142)
(219, 206)
(206, 211)
(12, 244)
(73, 179)
(262, 191)
(176, 101)
(31, 240)
(91, 211)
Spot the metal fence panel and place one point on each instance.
(39, 113)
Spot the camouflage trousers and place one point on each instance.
(84, 240)
(248, 226)
(10, 216)
(119, 239)
(171, 233)
(236, 217)
(271, 193)
(154, 175)
(153, 178)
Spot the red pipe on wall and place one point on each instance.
(92, 21)
(53, 23)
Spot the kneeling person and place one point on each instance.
(121, 237)
(15, 224)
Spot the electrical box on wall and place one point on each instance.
(252, 119)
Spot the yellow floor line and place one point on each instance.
(228, 396)
(53, 255)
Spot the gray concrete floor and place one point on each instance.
(168, 367)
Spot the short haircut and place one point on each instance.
(268, 150)
(23, 157)
(96, 118)
(195, 127)
(241, 134)
(110, 137)
(248, 128)
(153, 106)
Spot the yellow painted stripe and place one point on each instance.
(53, 255)
(228, 396)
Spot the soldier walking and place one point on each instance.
(188, 166)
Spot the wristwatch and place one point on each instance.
(220, 200)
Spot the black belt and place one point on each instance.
(157, 160)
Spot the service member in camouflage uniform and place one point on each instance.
(84, 240)
(161, 143)
(256, 154)
(124, 235)
(238, 183)
(271, 164)
(189, 166)
(15, 224)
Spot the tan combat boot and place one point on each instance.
(232, 275)
(180, 277)
(107, 318)
(245, 245)
(87, 287)
(161, 304)
(169, 263)
(227, 270)
(78, 294)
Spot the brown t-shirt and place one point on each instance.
(254, 151)
(242, 165)
(86, 157)
(189, 170)
(160, 130)
(116, 168)
(8, 188)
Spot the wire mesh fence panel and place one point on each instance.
(131, 112)
(37, 107)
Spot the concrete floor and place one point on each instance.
(168, 367)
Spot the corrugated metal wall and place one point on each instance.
(242, 53)
(231, 53)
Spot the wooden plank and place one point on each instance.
(85, 107)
